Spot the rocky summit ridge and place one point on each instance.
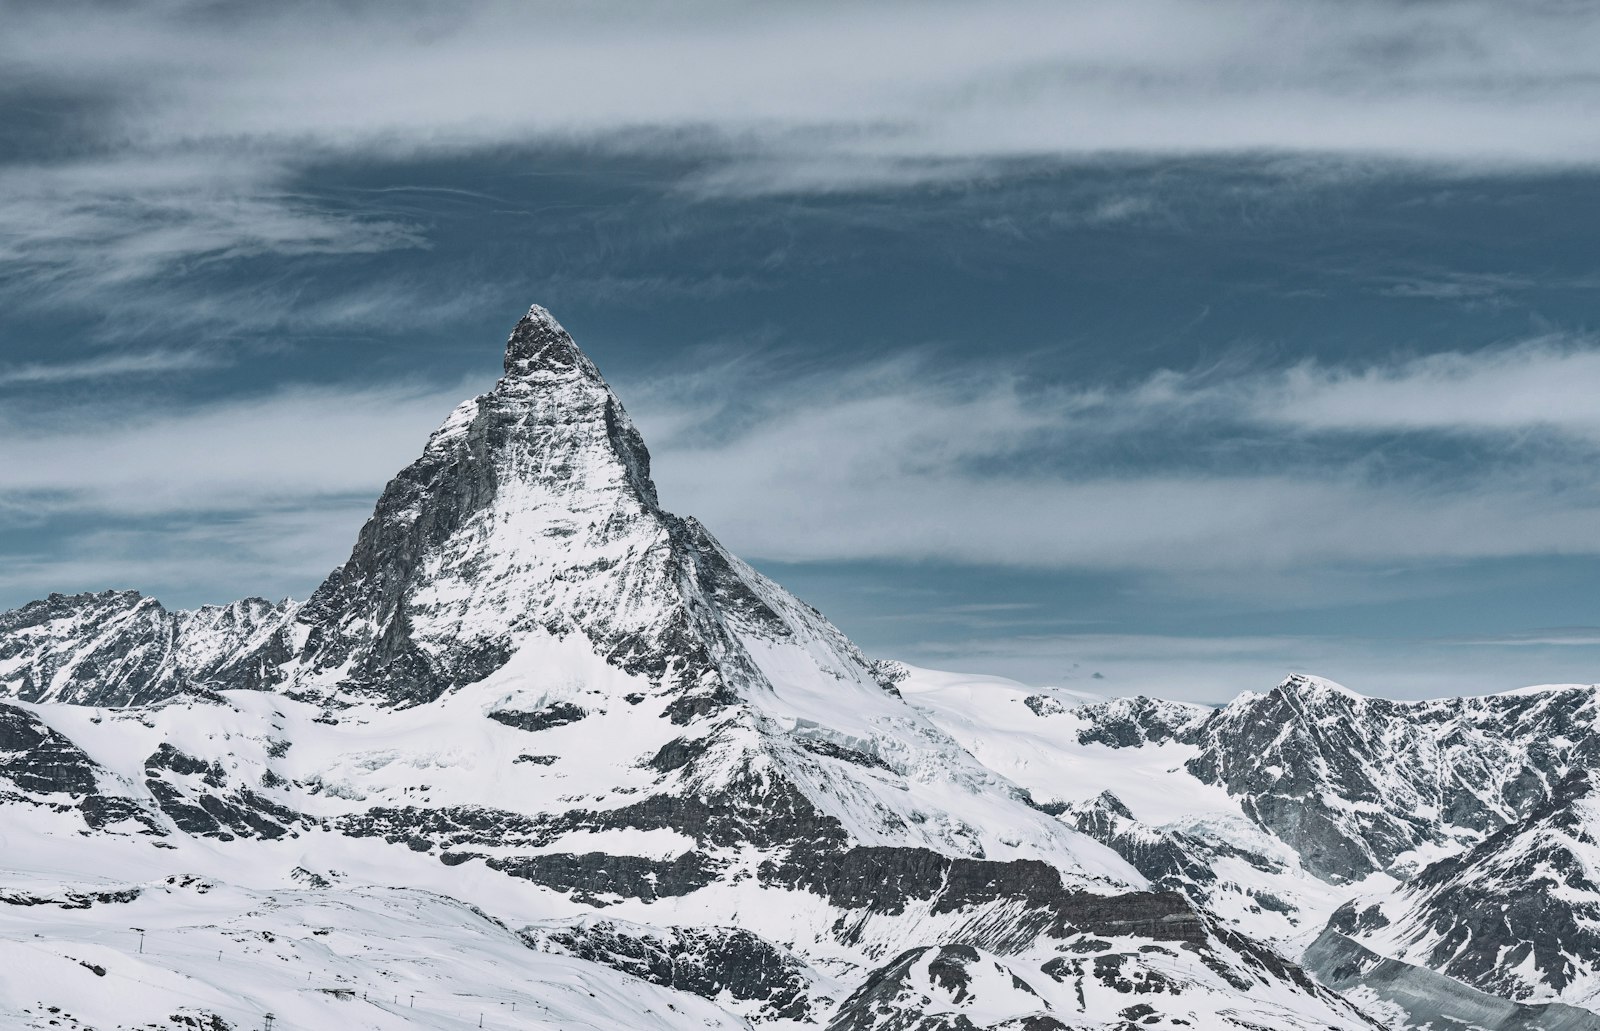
(594, 770)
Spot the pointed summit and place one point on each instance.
(539, 343)
(527, 507)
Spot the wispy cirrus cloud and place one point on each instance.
(885, 83)
(184, 146)
(903, 461)
(1546, 637)
(146, 363)
(105, 226)
(245, 454)
(1545, 383)
(900, 461)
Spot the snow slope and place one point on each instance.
(540, 743)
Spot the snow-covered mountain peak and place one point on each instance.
(532, 689)
(530, 511)
(539, 343)
(522, 569)
(1306, 685)
(560, 407)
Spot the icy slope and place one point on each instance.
(1453, 835)
(1120, 770)
(220, 957)
(1518, 915)
(263, 792)
(1352, 784)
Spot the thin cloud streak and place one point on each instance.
(236, 456)
(70, 229)
(1548, 383)
(151, 363)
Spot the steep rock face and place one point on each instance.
(44, 769)
(197, 796)
(34, 758)
(1171, 860)
(765, 981)
(1355, 783)
(1131, 722)
(121, 648)
(531, 508)
(1517, 915)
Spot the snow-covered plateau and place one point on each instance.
(543, 755)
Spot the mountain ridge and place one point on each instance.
(531, 689)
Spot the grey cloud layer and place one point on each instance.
(234, 456)
(1449, 79)
(899, 462)
(185, 130)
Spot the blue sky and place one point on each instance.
(1182, 344)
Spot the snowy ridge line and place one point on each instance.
(586, 759)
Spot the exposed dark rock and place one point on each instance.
(1171, 860)
(1131, 722)
(674, 754)
(36, 758)
(596, 878)
(72, 899)
(882, 879)
(213, 813)
(557, 715)
(706, 961)
(102, 812)
(832, 750)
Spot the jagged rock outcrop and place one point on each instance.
(122, 648)
(764, 980)
(35, 758)
(1516, 916)
(1357, 784)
